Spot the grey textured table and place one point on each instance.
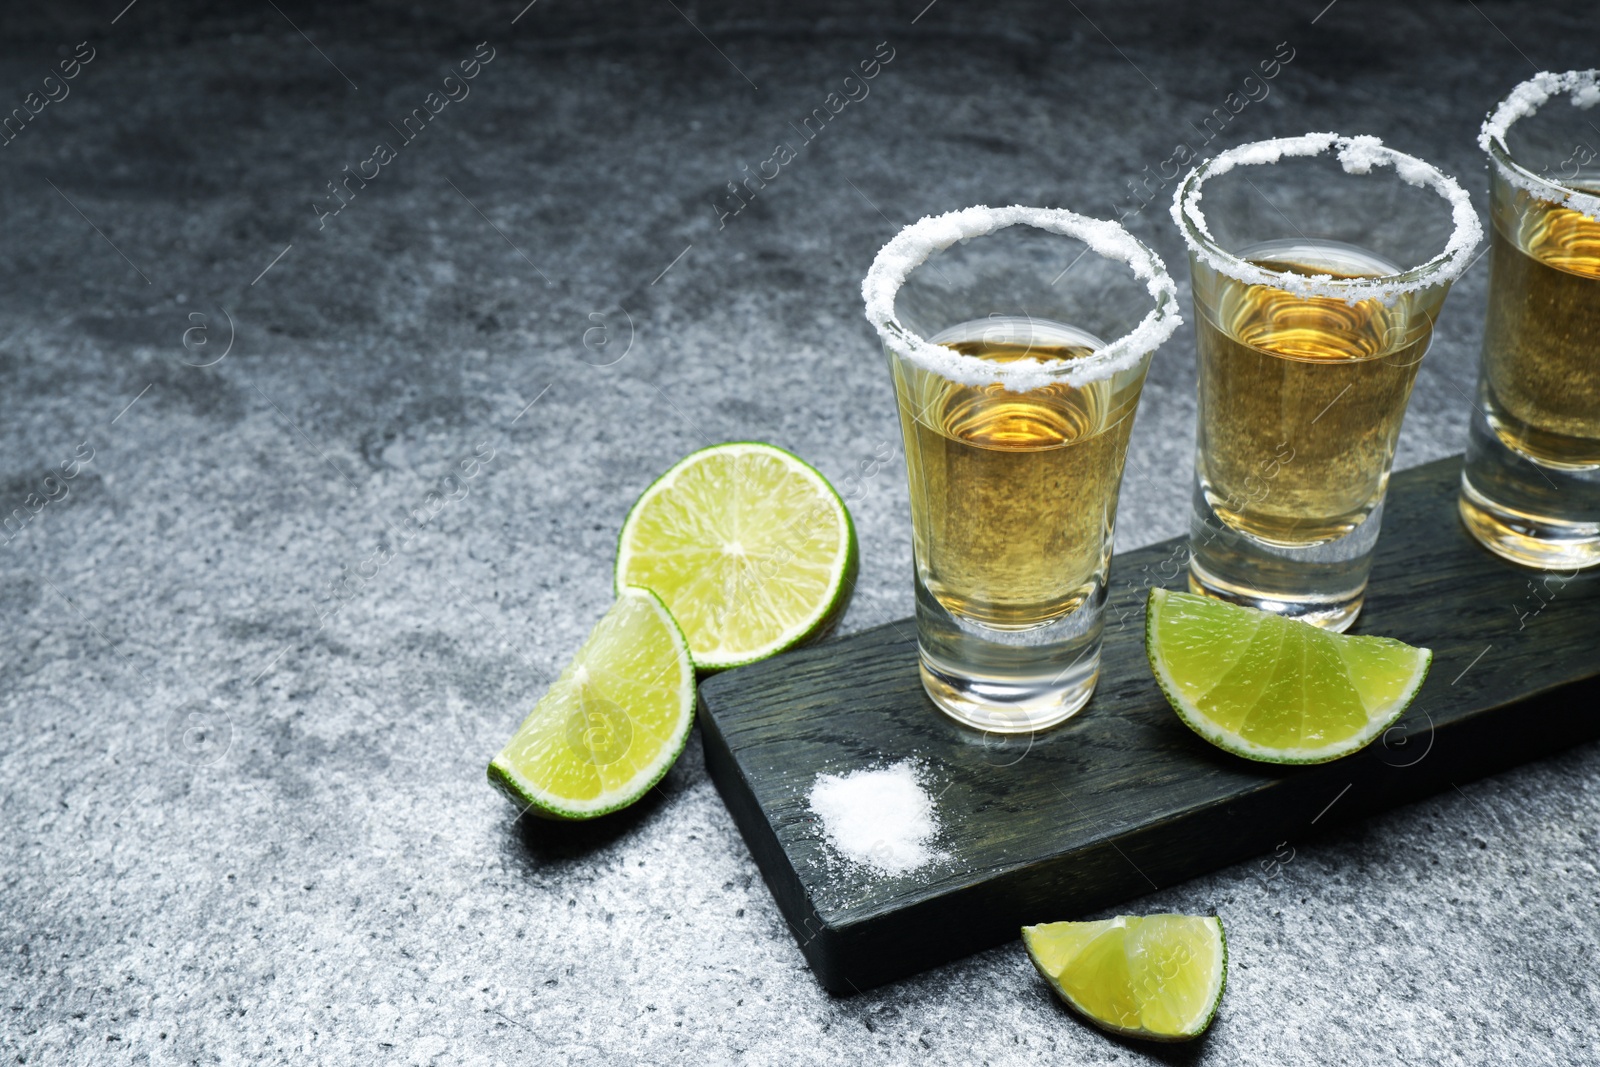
(247, 706)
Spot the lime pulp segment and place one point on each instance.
(1275, 689)
(749, 547)
(1157, 976)
(612, 724)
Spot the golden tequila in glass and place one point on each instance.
(1014, 494)
(1309, 329)
(1019, 339)
(1302, 397)
(1542, 339)
(1531, 483)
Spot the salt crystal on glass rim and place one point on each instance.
(1583, 92)
(878, 817)
(1356, 155)
(912, 246)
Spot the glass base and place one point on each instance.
(1009, 681)
(1525, 512)
(1009, 705)
(1337, 614)
(1324, 584)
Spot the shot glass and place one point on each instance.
(1018, 339)
(1530, 487)
(1319, 265)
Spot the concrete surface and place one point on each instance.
(241, 826)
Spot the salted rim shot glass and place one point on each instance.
(1530, 486)
(1319, 266)
(1018, 339)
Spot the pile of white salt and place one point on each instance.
(879, 817)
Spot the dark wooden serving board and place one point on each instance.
(1124, 799)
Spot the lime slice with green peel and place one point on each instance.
(1156, 976)
(1274, 689)
(612, 724)
(749, 547)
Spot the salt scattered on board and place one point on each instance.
(878, 817)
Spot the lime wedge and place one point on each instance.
(1157, 976)
(612, 724)
(1274, 689)
(749, 547)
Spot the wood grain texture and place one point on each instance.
(1124, 799)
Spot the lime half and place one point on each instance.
(1274, 689)
(612, 724)
(749, 547)
(1155, 976)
